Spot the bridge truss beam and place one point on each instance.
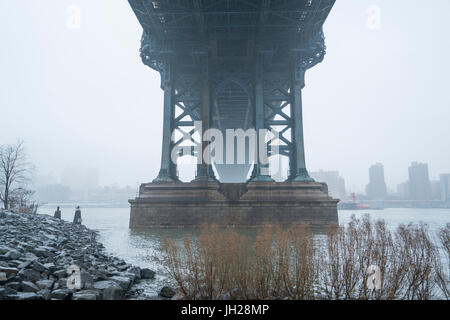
(259, 49)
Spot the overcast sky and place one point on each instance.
(83, 96)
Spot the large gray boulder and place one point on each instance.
(42, 252)
(86, 295)
(13, 255)
(87, 280)
(28, 286)
(25, 296)
(123, 282)
(4, 264)
(100, 274)
(60, 294)
(9, 272)
(50, 266)
(45, 284)
(39, 267)
(147, 273)
(167, 292)
(136, 271)
(25, 264)
(3, 278)
(13, 285)
(109, 290)
(46, 294)
(29, 275)
(62, 273)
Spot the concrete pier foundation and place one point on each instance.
(174, 205)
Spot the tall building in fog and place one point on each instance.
(336, 184)
(376, 189)
(445, 186)
(435, 190)
(419, 181)
(403, 190)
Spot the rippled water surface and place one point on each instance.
(139, 247)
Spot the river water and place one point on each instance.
(139, 247)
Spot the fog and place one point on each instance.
(82, 97)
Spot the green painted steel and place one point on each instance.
(233, 64)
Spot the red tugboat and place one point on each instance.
(352, 205)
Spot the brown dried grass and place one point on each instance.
(292, 263)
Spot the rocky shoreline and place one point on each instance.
(37, 250)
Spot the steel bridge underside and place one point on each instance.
(233, 64)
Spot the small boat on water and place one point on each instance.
(352, 204)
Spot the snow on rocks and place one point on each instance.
(37, 250)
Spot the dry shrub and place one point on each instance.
(442, 270)
(408, 261)
(419, 255)
(209, 268)
(294, 264)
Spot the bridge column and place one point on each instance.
(167, 172)
(260, 170)
(298, 170)
(204, 170)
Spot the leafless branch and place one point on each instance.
(15, 171)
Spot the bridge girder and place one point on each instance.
(255, 48)
(182, 29)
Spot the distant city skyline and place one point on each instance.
(88, 179)
(81, 96)
(336, 184)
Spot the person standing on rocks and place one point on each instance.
(57, 213)
(77, 218)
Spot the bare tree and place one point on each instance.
(15, 171)
(22, 198)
